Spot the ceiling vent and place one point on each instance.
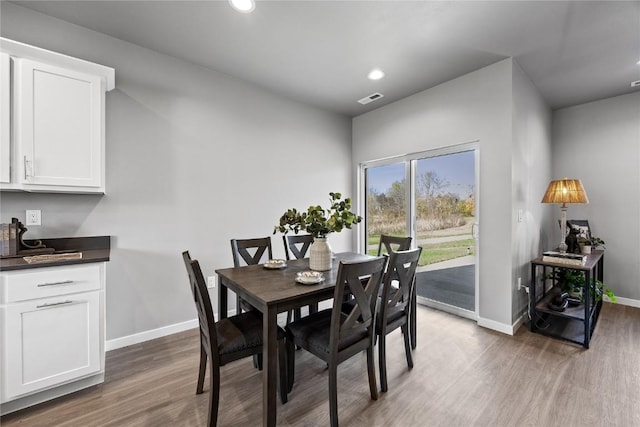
(633, 84)
(370, 98)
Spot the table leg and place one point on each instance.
(270, 366)
(222, 299)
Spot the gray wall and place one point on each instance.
(599, 143)
(531, 173)
(476, 106)
(194, 158)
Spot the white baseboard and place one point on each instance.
(497, 326)
(155, 333)
(624, 301)
(150, 335)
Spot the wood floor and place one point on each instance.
(464, 375)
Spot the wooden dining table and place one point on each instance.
(274, 291)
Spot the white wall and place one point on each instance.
(530, 175)
(599, 143)
(194, 158)
(476, 106)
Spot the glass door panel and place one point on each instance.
(430, 196)
(386, 203)
(445, 219)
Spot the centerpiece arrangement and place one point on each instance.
(319, 222)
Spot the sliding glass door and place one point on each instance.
(430, 196)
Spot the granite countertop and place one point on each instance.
(94, 249)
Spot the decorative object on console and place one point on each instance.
(565, 191)
(592, 243)
(319, 223)
(13, 244)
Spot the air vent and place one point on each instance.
(370, 98)
(635, 84)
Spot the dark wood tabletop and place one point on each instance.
(273, 291)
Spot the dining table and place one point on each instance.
(272, 291)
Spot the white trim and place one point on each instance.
(155, 333)
(451, 309)
(496, 326)
(624, 301)
(22, 50)
(150, 335)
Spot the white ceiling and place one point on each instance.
(319, 52)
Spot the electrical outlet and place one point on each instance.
(34, 217)
(212, 281)
(519, 283)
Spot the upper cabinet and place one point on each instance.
(5, 117)
(58, 121)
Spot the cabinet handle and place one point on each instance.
(26, 166)
(54, 303)
(64, 282)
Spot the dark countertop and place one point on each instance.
(94, 249)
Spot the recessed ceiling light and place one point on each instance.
(376, 74)
(638, 62)
(244, 6)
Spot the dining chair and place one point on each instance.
(249, 252)
(298, 245)
(227, 340)
(334, 336)
(395, 305)
(400, 243)
(389, 243)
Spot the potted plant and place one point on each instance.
(592, 243)
(319, 222)
(572, 282)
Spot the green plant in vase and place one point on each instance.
(319, 222)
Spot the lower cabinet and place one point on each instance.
(52, 328)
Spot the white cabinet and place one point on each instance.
(52, 328)
(5, 117)
(57, 120)
(58, 126)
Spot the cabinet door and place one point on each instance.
(50, 341)
(5, 117)
(58, 127)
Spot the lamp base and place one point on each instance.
(562, 247)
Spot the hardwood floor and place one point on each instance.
(464, 375)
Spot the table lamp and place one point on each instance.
(565, 191)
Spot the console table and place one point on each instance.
(575, 324)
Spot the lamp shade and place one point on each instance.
(565, 191)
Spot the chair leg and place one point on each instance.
(407, 345)
(382, 361)
(313, 308)
(333, 394)
(412, 320)
(291, 362)
(282, 370)
(202, 370)
(214, 396)
(371, 369)
(257, 361)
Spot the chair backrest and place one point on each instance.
(362, 279)
(203, 306)
(297, 244)
(389, 244)
(251, 251)
(401, 270)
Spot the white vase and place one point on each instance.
(320, 255)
